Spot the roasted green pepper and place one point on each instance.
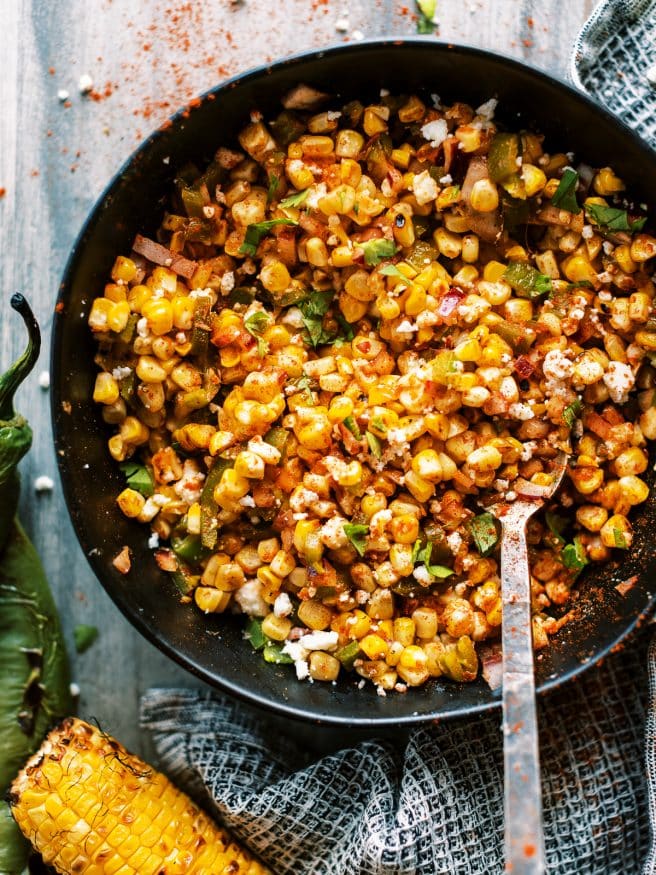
(34, 692)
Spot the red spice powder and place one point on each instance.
(3, 192)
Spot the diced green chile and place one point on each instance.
(208, 507)
(502, 157)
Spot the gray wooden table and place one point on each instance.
(56, 155)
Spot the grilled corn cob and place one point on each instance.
(91, 808)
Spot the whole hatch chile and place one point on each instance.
(34, 690)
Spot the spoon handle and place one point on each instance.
(524, 841)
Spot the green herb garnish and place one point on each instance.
(377, 250)
(526, 280)
(613, 219)
(258, 230)
(556, 525)
(353, 427)
(565, 195)
(313, 309)
(483, 530)
(256, 324)
(572, 412)
(346, 327)
(426, 16)
(424, 556)
(392, 270)
(84, 636)
(574, 556)
(357, 535)
(295, 200)
(374, 445)
(254, 633)
(139, 478)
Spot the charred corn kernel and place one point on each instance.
(375, 119)
(606, 182)
(229, 577)
(210, 600)
(458, 617)
(404, 528)
(591, 517)
(352, 310)
(469, 137)
(219, 441)
(484, 196)
(316, 146)
(487, 458)
(350, 173)
(401, 560)
(149, 370)
(358, 286)
(106, 390)
(413, 110)
(634, 490)
(468, 350)
(339, 201)
(277, 628)
(578, 269)
(448, 197)
(340, 408)
(427, 465)
(374, 647)
(124, 270)
(495, 293)
(413, 657)
(415, 302)
(617, 532)
(358, 624)
(248, 464)
(314, 614)
(341, 256)
(271, 583)
(267, 549)
(323, 666)
(231, 487)
(448, 243)
(401, 157)
(586, 479)
(62, 806)
(348, 143)
(425, 620)
(117, 448)
(299, 174)
(534, 179)
(643, 247)
(372, 504)
(316, 252)
(131, 502)
(133, 431)
(248, 559)
(115, 293)
(314, 431)
(630, 462)
(275, 277)
(283, 563)
(99, 315)
(639, 307)
(622, 256)
(404, 631)
(418, 486)
(159, 314)
(646, 339)
(494, 271)
(183, 309)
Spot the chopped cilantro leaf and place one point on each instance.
(313, 309)
(258, 230)
(357, 535)
(424, 555)
(483, 530)
(574, 556)
(295, 200)
(392, 270)
(556, 524)
(377, 250)
(613, 219)
(346, 327)
(572, 412)
(374, 445)
(256, 325)
(565, 195)
(139, 478)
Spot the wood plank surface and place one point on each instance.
(56, 156)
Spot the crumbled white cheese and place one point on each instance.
(435, 132)
(521, 411)
(422, 575)
(44, 484)
(283, 607)
(447, 179)
(142, 327)
(435, 100)
(153, 541)
(587, 232)
(332, 533)
(302, 669)
(619, 380)
(85, 84)
(227, 282)
(608, 247)
(315, 193)
(333, 116)
(406, 327)
(556, 365)
(62, 95)
(454, 540)
(74, 690)
(121, 372)
(527, 451)
(380, 691)
(424, 188)
(302, 499)
(249, 598)
(44, 379)
(486, 110)
(247, 501)
(189, 486)
(357, 36)
(319, 640)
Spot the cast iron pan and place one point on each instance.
(213, 648)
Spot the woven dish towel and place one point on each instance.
(433, 804)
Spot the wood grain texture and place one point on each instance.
(145, 60)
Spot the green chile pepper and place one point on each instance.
(34, 691)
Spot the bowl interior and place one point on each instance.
(213, 648)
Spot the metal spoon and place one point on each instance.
(523, 840)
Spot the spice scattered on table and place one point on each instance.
(44, 484)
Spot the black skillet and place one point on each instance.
(213, 648)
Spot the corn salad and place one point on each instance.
(351, 327)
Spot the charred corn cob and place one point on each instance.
(91, 808)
